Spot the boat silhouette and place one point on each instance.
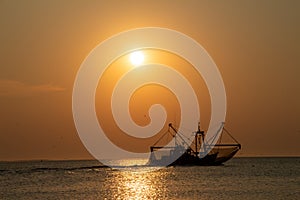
(198, 152)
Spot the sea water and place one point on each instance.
(239, 178)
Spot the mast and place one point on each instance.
(198, 134)
(196, 139)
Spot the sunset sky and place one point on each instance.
(255, 44)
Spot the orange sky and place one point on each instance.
(147, 96)
(255, 45)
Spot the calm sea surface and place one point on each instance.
(240, 178)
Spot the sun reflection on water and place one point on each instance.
(136, 184)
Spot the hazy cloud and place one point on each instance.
(18, 88)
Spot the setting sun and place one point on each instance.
(136, 58)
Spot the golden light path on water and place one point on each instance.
(137, 185)
(139, 182)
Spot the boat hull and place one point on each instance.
(211, 159)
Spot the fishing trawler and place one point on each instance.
(199, 152)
